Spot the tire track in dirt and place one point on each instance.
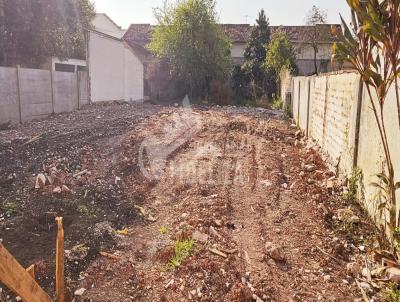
(240, 176)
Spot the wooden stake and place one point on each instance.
(16, 278)
(60, 261)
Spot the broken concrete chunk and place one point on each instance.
(200, 237)
(393, 274)
(275, 251)
(310, 168)
(40, 181)
(57, 190)
(80, 292)
(65, 189)
(353, 269)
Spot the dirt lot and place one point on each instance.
(140, 182)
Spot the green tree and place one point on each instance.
(261, 81)
(280, 54)
(33, 30)
(315, 33)
(190, 40)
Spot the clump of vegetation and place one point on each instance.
(163, 230)
(277, 103)
(280, 55)
(182, 249)
(352, 184)
(392, 293)
(192, 43)
(10, 208)
(90, 211)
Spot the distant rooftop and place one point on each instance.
(140, 34)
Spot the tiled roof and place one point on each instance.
(140, 34)
(302, 33)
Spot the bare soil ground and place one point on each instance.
(235, 180)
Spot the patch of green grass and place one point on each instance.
(392, 293)
(163, 230)
(10, 208)
(353, 182)
(182, 250)
(90, 211)
(277, 103)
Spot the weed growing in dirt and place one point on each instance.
(347, 222)
(181, 251)
(353, 181)
(10, 208)
(392, 293)
(163, 230)
(277, 103)
(90, 211)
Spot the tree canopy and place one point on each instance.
(189, 38)
(316, 16)
(33, 30)
(280, 54)
(262, 82)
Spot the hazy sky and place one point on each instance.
(281, 12)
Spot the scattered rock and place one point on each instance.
(393, 274)
(66, 190)
(310, 168)
(275, 251)
(40, 181)
(353, 269)
(218, 223)
(200, 237)
(57, 190)
(80, 292)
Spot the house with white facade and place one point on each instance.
(116, 72)
(239, 34)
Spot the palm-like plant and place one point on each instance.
(372, 46)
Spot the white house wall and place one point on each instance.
(115, 72)
(134, 82)
(103, 24)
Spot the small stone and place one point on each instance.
(218, 223)
(80, 292)
(310, 168)
(18, 298)
(171, 282)
(274, 251)
(393, 274)
(353, 269)
(366, 287)
(200, 237)
(310, 181)
(354, 219)
(65, 189)
(327, 278)
(40, 181)
(57, 190)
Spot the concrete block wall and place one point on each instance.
(35, 94)
(28, 94)
(65, 92)
(9, 104)
(340, 119)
